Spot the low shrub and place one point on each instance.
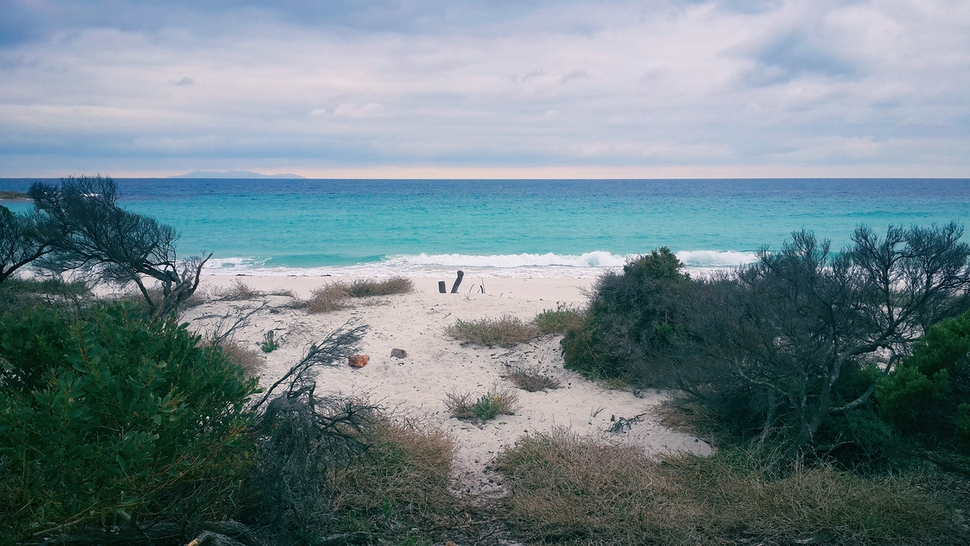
(364, 288)
(571, 490)
(17, 294)
(484, 407)
(559, 321)
(507, 331)
(238, 291)
(106, 414)
(249, 360)
(531, 379)
(330, 298)
(333, 297)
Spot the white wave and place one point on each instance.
(526, 265)
(715, 258)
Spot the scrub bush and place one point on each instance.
(106, 416)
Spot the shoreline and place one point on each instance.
(417, 386)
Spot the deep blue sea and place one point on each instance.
(516, 228)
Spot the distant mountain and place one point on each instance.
(234, 174)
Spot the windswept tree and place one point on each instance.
(24, 238)
(801, 337)
(115, 245)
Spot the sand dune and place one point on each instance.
(417, 385)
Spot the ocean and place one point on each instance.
(516, 228)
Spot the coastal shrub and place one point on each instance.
(559, 320)
(107, 416)
(495, 402)
(566, 489)
(238, 291)
(531, 379)
(793, 346)
(250, 361)
(364, 288)
(17, 294)
(334, 296)
(506, 331)
(632, 322)
(928, 395)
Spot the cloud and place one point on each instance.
(379, 82)
(370, 110)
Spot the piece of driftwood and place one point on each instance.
(442, 287)
(454, 287)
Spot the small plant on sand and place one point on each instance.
(333, 297)
(507, 331)
(270, 343)
(364, 288)
(487, 406)
(238, 291)
(560, 320)
(531, 379)
(249, 360)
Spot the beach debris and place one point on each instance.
(358, 361)
(399, 353)
(454, 287)
(442, 287)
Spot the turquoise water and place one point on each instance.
(522, 228)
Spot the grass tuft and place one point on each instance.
(238, 291)
(531, 379)
(560, 320)
(249, 360)
(507, 331)
(333, 297)
(484, 407)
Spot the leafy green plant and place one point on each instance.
(107, 413)
(485, 407)
(270, 342)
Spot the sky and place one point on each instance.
(486, 89)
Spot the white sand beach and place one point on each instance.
(417, 385)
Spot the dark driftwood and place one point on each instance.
(454, 287)
(442, 287)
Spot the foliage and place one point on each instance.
(114, 245)
(564, 489)
(484, 407)
(17, 295)
(632, 321)
(334, 296)
(798, 341)
(106, 415)
(24, 238)
(559, 321)
(929, 393)
(270, 343)
(506, 331)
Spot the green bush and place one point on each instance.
(631, 322)
(107, 415)
(929, 393)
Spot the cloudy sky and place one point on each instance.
(474, 88)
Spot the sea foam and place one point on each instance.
(525, 265)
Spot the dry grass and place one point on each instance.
(401, 482)
(333, 297)
(495, 402)
(237, 291)
(560, 320)
(364, 288)
(566, 489)
(249, 360)
(531, 379)
(507, 331)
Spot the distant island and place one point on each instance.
(235, 174)
(6, 195)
